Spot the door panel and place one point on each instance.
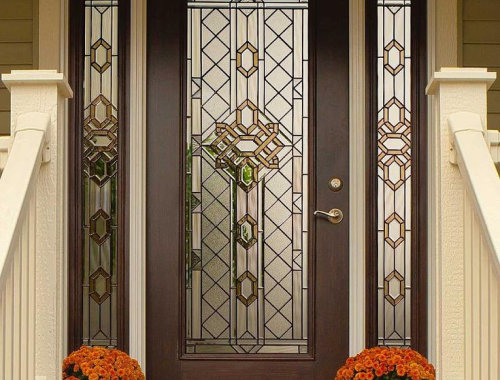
(247, 124)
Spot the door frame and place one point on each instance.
(137, 169)
(138, 131)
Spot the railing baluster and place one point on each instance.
(495, 322)
(2, 333)
(25, 297)
(476, 305)
(31, 325)
(16, 281)
(9, 341)
(484, 256)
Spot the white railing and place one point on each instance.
(464, 227)
(471, 151)
(18, 186)
(4, 151)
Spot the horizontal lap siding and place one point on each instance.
(481, 46)
(17, 46)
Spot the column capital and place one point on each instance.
(459, 75)
(38, 77)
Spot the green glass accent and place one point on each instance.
(100, 167)
(195, 202)
(114, 201)
(189, 201)
(246, 232)
(247, 174)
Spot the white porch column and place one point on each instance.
(454, 90)
(45, 91)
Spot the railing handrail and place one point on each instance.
(18, 180)
(479, 174)
(4, 150)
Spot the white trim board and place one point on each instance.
(138, 170)
(357, 176)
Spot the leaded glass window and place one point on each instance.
(247, 177)
(394, 88)
(100, 149)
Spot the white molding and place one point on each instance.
(357, 177)
(138, 171)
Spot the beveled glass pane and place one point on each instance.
(246, 229)
(100, 159)
(394, 172)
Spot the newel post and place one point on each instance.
(45, 91)
(454, 90)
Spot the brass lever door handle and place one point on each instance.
(335, 215)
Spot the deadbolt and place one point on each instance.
(335, 184)
(335, 216)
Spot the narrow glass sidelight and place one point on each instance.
(394, 172)
(100, 152)
(247, 177)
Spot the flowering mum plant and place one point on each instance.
(387, 364)
(96, 363)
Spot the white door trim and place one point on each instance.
(138, 179)
(137, 207)
(357, 231)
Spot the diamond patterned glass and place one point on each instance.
(247, 176)
(100, 155)
(394, 172)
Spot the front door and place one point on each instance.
(247, 126)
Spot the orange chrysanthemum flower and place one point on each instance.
(98, 363)
(387, 364)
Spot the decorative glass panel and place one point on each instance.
(394, 172)
(247, 177)
(100, 156)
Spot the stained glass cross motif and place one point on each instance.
(246, 146)
(247, 174)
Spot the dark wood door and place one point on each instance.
(247, 124)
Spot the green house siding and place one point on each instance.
(18, 46)
(480, 45)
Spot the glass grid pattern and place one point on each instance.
(394, 172)
(247, 177)
(100, 150)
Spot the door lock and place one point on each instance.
(335, 184)
(335, 216)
